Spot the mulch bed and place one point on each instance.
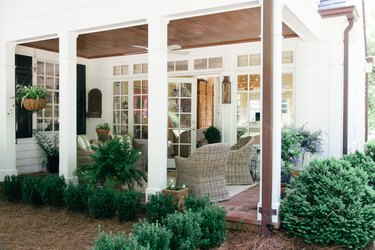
(25, 227)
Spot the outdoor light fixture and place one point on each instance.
(226, 85)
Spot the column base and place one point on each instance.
(151, 191)
(4, 173)
(73, 179)
(275, 212)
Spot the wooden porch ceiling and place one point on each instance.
(209, 30)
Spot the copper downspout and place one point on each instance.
(346, 85)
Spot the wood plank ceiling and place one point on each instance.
(202, 31)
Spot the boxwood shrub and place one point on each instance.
(76, 197)
(101, 203)
(128, 205)
(153, 235)
(213, 226)
(196, 203)
(159, 206)
(12, 188)
(330, 203)
(370, 149)
(364, 162)
(52, 190)
(116, 242)
(30, 190)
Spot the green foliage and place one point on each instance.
(128, 205)
(30, 92)
(330, 203)
(30, 190)
(159, 206)
(212, 135)
(52, 190)
(196, 203)
(364, 162)
(12, 187)
(213, 226)
(103, 126)
(152, 235)
(101, 203)
(185, 228)
(50, 146)
(116, 242)
(76, 197)
(112, 159)
(370, 149)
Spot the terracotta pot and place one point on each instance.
(34, 104)
(179, 196)
(295, 172)
(102, 134)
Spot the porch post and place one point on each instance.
(68, 102)
(271, 113)
(7, 110)
(158, 103)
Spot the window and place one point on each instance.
(208, 63)
(121, 107)
(141, 68)
(48, 77)
(120, 70)
(140, 109)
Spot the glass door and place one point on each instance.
(181, 118)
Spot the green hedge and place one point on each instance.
(76, 197)
(30, 190)
(152, 235)
(128, 205)
(159, 206)
(52, 190)
(12, 186)
(101, 203)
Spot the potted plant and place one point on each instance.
(50, 147)
(32, 97)
(102, 131)
(212, 135)
(179, 194)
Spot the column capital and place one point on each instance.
(152, 18)
(70, 34)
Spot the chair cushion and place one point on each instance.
(84, 142)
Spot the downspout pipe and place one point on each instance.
(346, 85)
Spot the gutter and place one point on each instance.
(351, 14)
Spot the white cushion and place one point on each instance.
(84, 142)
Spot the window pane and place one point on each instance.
(185, 89)
(254, 60)
(137, 68)
(255, 82)
(124, 69)
(200, 63)
(116, 70)
(287, 57)
(243, 61)
(49, 69)
(182, 65)
(242, 82)
(170, 66)
(137, 87)
(215, 62)
(144, 87)
(173, 89)
(124, 88)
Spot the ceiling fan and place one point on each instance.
(173, 49)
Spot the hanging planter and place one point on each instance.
(32, 98)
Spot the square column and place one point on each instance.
(68, 103)
(271, 113)
(158, 103)
(7, 110)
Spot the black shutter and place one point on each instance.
(81, 99)
(24, 77)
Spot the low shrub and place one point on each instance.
(196, 203)
(30, 190)
(76, 197)
(370, 149)
(116, 242)
(128, 205)
(213, 226)
(159, 206)
(330, 203)
(185, 228)
(364, 162)
(52, 190)
(101, 203)
(153, 235)
(12, 188)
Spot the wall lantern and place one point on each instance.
(226, 94)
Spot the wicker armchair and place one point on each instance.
(238, 172)
(204, 171)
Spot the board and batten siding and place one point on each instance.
(29, 156)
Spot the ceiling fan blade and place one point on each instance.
(185, 53)
(174, 47)
(139, 46)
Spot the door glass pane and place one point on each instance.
(185, 89)
(186, 105)
(173, 105)
(242, 83)
(255, 82)
(185, 121)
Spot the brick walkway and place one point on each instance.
(242, 210)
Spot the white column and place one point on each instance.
(158, 103)
(7, 110)
(68, 103)
(276, 116)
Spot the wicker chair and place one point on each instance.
(204, 171)
(238, 172)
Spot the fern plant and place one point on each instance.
(50, 146)
(32, 92)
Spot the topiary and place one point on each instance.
(76, 197)
(12, 187)
(30, 190)
(101, 203)
(364, 162)
(153, 235)
(128, 205)
(52, 191)
(185, 228)
(213, 226)
(159, 206)
(330, 203)
(212, 135)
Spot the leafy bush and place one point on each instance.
(185, 228)
(212, 135)
(196, 203)
(364, 162)
(213, 226)
(128, 205)
(76, 197)
(370, 149)
(52, 190)
(30, 190)
(12, 187)
(116, 242)
(153, 235)
(101, 203)
(159, 206)
(330, 203)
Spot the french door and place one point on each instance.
(182, 110)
